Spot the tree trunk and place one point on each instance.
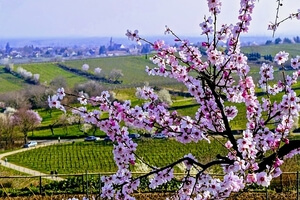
(25, 138)
(51, 129)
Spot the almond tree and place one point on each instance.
(85, 67)
(7, 127)
(26, 120)
(115, 75)
(222, 76)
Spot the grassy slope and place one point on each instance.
(50, 71)
(133, 68)
(4, 171)
(6, 184)
(10, 82)
(293, 49)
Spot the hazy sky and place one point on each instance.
(59, 18)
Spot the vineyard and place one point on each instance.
(97, 157)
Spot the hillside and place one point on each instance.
(133, 68)
(273, 49)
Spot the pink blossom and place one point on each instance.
(133, 35)
(97, 70)
(281, 57)
(188, 164)
(266, 72)
(206, 26)
(82, 98)
(263, 179)
(292, 153)
(278, 162)
(54, 102)
(85, 67)
(61, 93)
(214, 6)
(161, 178)
(272, 26)
(107, 192)
(233, 182)
(158, 44)
(276, 172)
(295, 62)
(228, 144)
(231, 112)
(296, 15)
(251, 178)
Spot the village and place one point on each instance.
(31, 53)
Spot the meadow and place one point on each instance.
(273, 49)
(10, 83)
(49, 71)
(133, 68)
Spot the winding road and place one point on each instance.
(27, 170)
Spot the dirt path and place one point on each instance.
(27, 170)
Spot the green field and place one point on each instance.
(292, 49)
(97, 157)
(50, 71)
(133, 68)
(10, 82)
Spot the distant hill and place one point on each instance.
(293, 49)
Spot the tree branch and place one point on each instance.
(191, 161)
(284, 150)
(228, 131)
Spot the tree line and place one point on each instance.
(285, 40)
